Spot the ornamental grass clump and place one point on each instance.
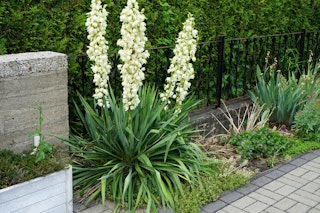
(135, 152)
(286, 95)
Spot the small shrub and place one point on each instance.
(307, 121)
(262, 143)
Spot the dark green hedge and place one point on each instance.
(58, 25)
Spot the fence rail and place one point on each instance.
(225, 68)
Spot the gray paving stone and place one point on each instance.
(286, 190)
(244, 202)
(298, 172)
(290, 182)
(309, 156)
(317, 152)
(247, 189)
(285, 204)
(256, 207)
(299, 207)
(232, 209)
(275, 174)
(221, 211)
(311, 168)
(314, 211)
(214, 206)
(310, 175)
(269, 194)
(262, 198)
(274, 185)
(302, 200)
(230, 196)
(296, 179)
(287, 168)
(316, 181)
(261, 181)
(308, 195)
(311, 187)
(314, 164)
(298, 162)
(272, 209)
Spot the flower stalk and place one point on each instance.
(133, 54)
(97, 50)
(181, 69)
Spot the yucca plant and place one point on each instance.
(140, 156)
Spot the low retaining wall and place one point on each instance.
(28, 80)
(203, 119)
(49, 194)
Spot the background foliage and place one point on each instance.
(58, 25)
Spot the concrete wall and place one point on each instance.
(49, 194)
(27, 80)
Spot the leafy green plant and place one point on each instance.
(43, 149)
(307, 121)
(144, 155)
(262, 143)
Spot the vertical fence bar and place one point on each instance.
(220, 69)
(82, 61)
(301, 50)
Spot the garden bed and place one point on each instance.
(51, 193)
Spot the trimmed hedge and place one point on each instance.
(58, 25)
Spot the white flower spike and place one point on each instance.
(133, 54)
(97, 50)
(181, 68)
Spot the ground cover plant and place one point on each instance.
(19, 167)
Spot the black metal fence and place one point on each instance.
(225, 68)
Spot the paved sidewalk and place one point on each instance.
(293, 187)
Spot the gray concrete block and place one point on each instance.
(261, 181)
(247, 189)
(285, 204)
(230, 196)
(287, 168)
(275, 174)
(28, 80)
(299, 207)
(214, 206)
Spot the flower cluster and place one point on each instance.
(133, 54)
(97, 50)
(181, 69)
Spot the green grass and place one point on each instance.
(300, 147)
(17, 168)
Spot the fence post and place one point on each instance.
(301, 50)
(220, 69)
